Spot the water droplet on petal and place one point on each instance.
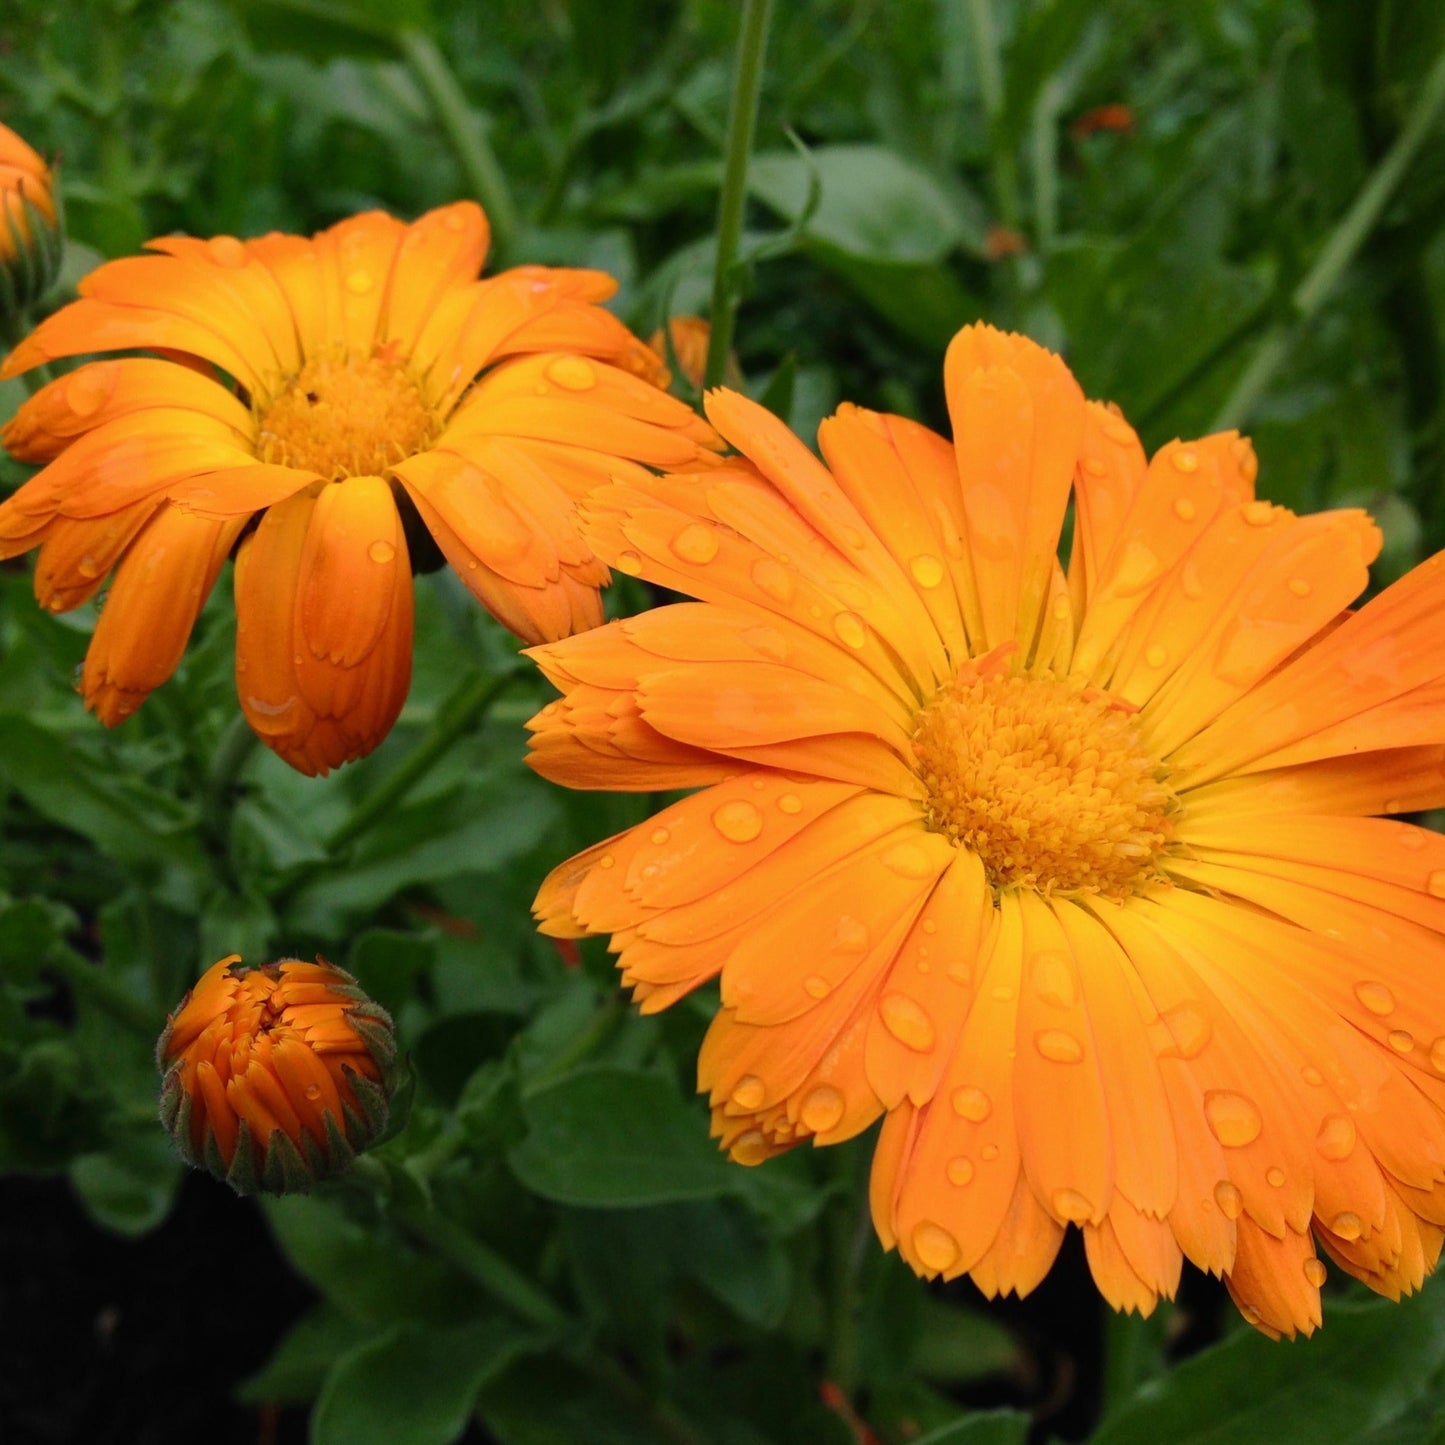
(631, 563)
(750, 1148)
(381, 552)
(907, 1022)
(1229, 1199)
(972, 1103)
(1435, 883)
(1336, 1137)
(935, 1247)
(658, 836)
(1258, 514)
(739, 821)
(1437, 1055)
(1409, 837)
(313, 1091)
(927, 570)
(749, 1092)
(816, 986)
(1375, 997)
(1156, 655)
(1058, 1046)
(822, 1109)
(930, 926)
(607, 861)
(1301, 588)
(1184, 509)
(1274, 1177)
(851, 630)
(1094, 467)
(908, 860)
(88, 566)
(1311, 1075)
(1234, 1120)
(960, 1170)
(989, 1152)
(1401, 1040)
(1051, 973)
(572, 373)
(850, 935)
(1315, 1272)
(1185, 460)
(1348, 1226)
(790, 803)
(696, 543)
(227, 251)
(1071, 1206)
(773, 579)
(359, 282)
(1189, 1029)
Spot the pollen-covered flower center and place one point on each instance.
(346, 417)
(1049, 784)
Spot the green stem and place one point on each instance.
(848, 1230)
(101, 989)
(1344, 243)
(235, 750)
(1132, 1354)
(990, 84)
(460, 713)
(1046, 166)
(742, 121)
(484, 176)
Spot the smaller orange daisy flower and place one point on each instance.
(317, 407)
(275, 1076)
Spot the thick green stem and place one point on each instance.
(484, 176)
(1339, 251)
(990, 84)
(742, 121)
(461, 712)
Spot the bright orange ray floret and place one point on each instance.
(275, 1075)
(317, 407)
(1067, 872)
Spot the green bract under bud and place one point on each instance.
(276, 1076)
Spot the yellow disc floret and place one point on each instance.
(346, 417)
(1048, 782)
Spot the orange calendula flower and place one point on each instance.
(310, 401)
(275, 1076)
(1068, 871)
(30, 238)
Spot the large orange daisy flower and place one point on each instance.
(1067, 871)
(320, 383)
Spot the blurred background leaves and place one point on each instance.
(548, 1249)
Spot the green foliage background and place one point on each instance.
(550, 1248)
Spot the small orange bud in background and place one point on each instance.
(690, 337)
(1115, 117)
(276, 1075)
(30, 231)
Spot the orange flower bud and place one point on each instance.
(690, 337)
(276, 1075)
(30, 232)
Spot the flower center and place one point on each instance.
(346, 417)
(1048, 783)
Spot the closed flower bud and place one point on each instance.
(30, 230)
(276, 1075)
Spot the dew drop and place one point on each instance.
(971, 1103)
(606, 861)
(749, 1092)
(359, 282)
(1300, 588)
(1071, 1206)
(1189, 1031)
(1229, 1199)
(1058, 1046)
(1185, 509)
(773, 579)
(750, 1148)
(1233, 1119)
(313, 1091)
(790, 803)
(1156, 655)
(1375, 997)
(739, 821)
(629, 562)
(907, 860)
(1051, 975)
(850, 630)
(1315, 1272)
(1186, 461)
(935, 1247)
(1311, 1075)
(227, 251)
(960, 1170)
(822, 1109)
(1437, 1055)
(1274, 1177)
(927, 570)
(1094, 467)
(658, 837)
(1190, 582)
(816, 986)
(381, 552)
(88, 566)
(850, 935)
(1347, 1226)
(1258, 514)
(930, 926)
(1435, 883)
(1336, 1138)
(572, 373)
(989, 1152)
(959, 972)
(1401, 1040)
(696, 543)
(854, 538)
(907, 1022)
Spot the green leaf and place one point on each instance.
(412, 1383)
(320, 29)
(1366, 1367)
(299, 1365)
(130, 1186)
(873, 204)
(610, 1137)
(996, 1427)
